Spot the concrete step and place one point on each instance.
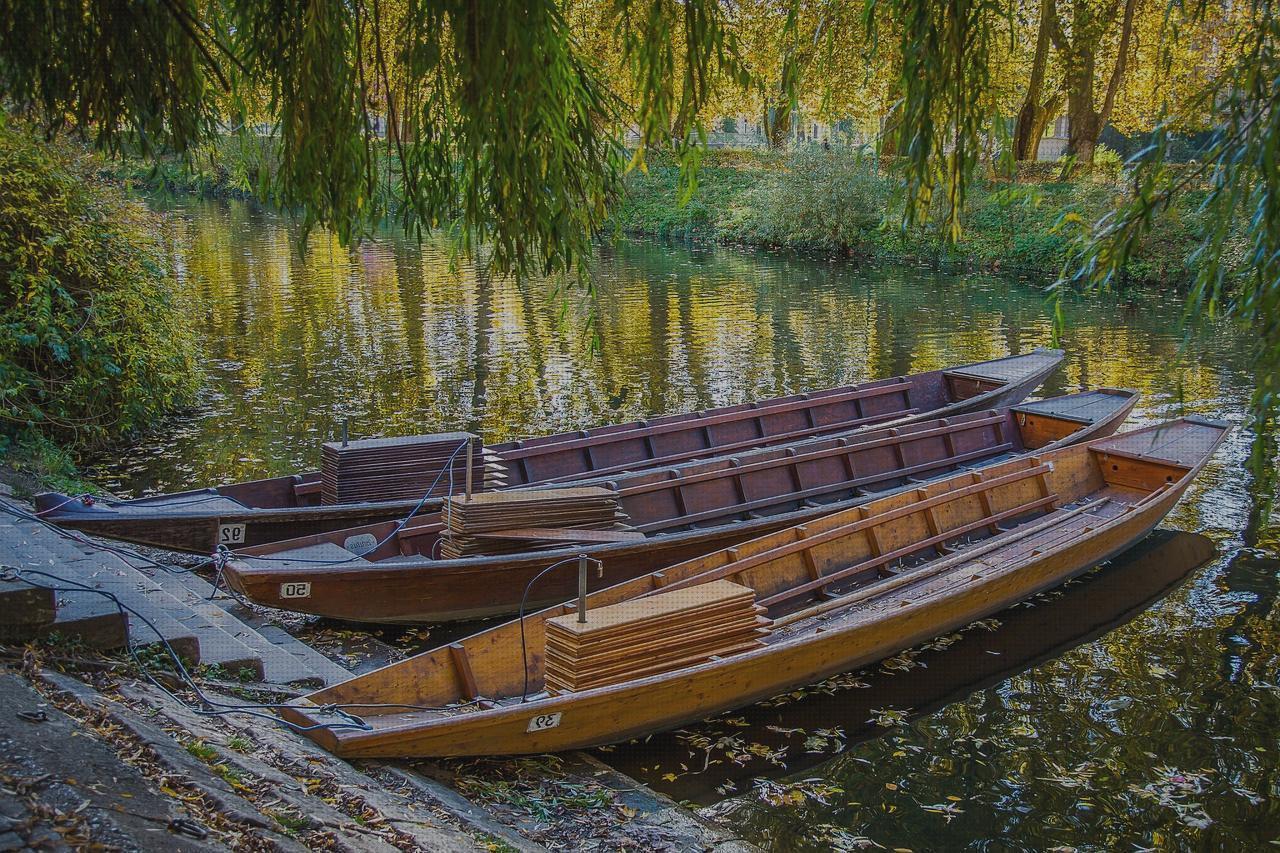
(284, 659)
(128, 812)
(176, 603)
(187, 632)
(24, 604)
(89, 619)
(109, 574)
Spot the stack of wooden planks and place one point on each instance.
(506, 522)
(652, 635)
(402, 468)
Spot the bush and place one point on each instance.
(92, 344)
(822, 200)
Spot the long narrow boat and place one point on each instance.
(839, 592)
(263, 511)
(387, 573)
(1130, 585)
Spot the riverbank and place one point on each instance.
(95, 345)
(836, 202)
(183, 759)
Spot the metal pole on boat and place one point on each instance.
(582, 588)
(470, 461)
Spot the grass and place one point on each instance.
(201, 750)
(32, 463)
(239, 743)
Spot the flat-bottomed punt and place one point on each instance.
(839, 592)
(388, 573)
(270, 510)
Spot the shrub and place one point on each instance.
(823, 199)
(92, 342)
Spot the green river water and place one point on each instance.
(1136, 708)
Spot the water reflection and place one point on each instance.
(394, 339)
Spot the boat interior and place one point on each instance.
(761, 483)
(845, 567)
(665, 439)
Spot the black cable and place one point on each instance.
(524, 650)
(124, 553)
(215, 708)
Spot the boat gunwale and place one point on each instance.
(286, 513)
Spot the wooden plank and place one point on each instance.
(904, 551)
(462, 664)
(562, 534)
(862, 523)
(936, 567)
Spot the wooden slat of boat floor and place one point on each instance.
(210, 504)
(1092, 406)
(1007, 556)
(1179, 442)
(1009, 369)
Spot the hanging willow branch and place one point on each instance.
(1236, 266)
(497, 126)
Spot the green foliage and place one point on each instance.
(490, 119)
(1237, 228)
(947, 100)
(820, 200)
(92, 344)
(841, 203)
(33, 464)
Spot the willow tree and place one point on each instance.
(1236, 266)
(497, 124)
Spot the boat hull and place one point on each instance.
(611, 714)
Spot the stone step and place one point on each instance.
(69, 769)
(284, 659)
(109, 574)
(187, 632)
(89, 619)
(22, 604)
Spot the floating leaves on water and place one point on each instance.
(991, 624)
(838, 838)
(1080, 776)
(902, 662)
(939, 644)
(1173, 789)
(949, 811)
(888, 717)
(795, 793)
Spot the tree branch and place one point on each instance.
(1122, 60)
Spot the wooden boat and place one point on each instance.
(263, 511)
(1129, 586)
(387, 573)
(840, 591)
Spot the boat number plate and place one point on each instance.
(543, 721)
(295, 589)
(231, 534)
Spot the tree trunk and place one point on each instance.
(1034, 115)
(1087, 121)
(777, 122)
